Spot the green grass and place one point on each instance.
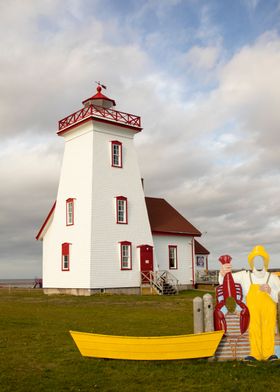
(38, 354)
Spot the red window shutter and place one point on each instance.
(65, 249)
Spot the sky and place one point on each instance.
(203, 75)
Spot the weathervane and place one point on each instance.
(101, 85)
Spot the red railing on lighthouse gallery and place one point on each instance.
(99, 112)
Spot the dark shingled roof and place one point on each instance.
(165, 219)
(199, 249)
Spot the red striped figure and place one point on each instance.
(223, 292)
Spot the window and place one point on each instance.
(200, 261)
(69, 212)
(172, 256)
(126, 262)
(65, 255)
(116, 154)
(121, 209)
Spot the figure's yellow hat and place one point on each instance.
(258, 251)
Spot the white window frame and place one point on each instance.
(121, 210)
(172, 257)
(70, 212)
(116, 154)
(126, 255)
(65, 262)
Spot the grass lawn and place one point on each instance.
(38, 354)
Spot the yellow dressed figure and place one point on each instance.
(260, 288)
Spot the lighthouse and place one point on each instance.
(98, 227)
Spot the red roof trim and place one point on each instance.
(175, 233)
(46, 221)
(62, 132)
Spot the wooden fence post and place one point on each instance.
(208, 313)
(197, 315)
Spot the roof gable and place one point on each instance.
(165, 219)
(199, 249)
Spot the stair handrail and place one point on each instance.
(156, 279)
(152, 280)
(168, 277)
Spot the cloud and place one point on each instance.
(251, 4)
(202, 58)
(207, 32)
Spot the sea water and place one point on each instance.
(21, 283)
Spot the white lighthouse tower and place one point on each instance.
(97, 236)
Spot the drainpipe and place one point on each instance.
(193, 263)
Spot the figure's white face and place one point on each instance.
(258, 263)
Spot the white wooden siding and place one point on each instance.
(184, 255)
(75, 182)
(109, 182)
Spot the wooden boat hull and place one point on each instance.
(148, 348)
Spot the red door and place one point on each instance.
(146, 261)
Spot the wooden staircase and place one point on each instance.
(158, 282)
(168, 289)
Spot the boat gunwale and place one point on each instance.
(202, 334)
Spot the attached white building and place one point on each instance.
(102, 234)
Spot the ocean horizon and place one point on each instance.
(17, 282)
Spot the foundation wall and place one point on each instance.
(182, 287)
(88, 292)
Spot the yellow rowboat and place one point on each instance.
(148, 348)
